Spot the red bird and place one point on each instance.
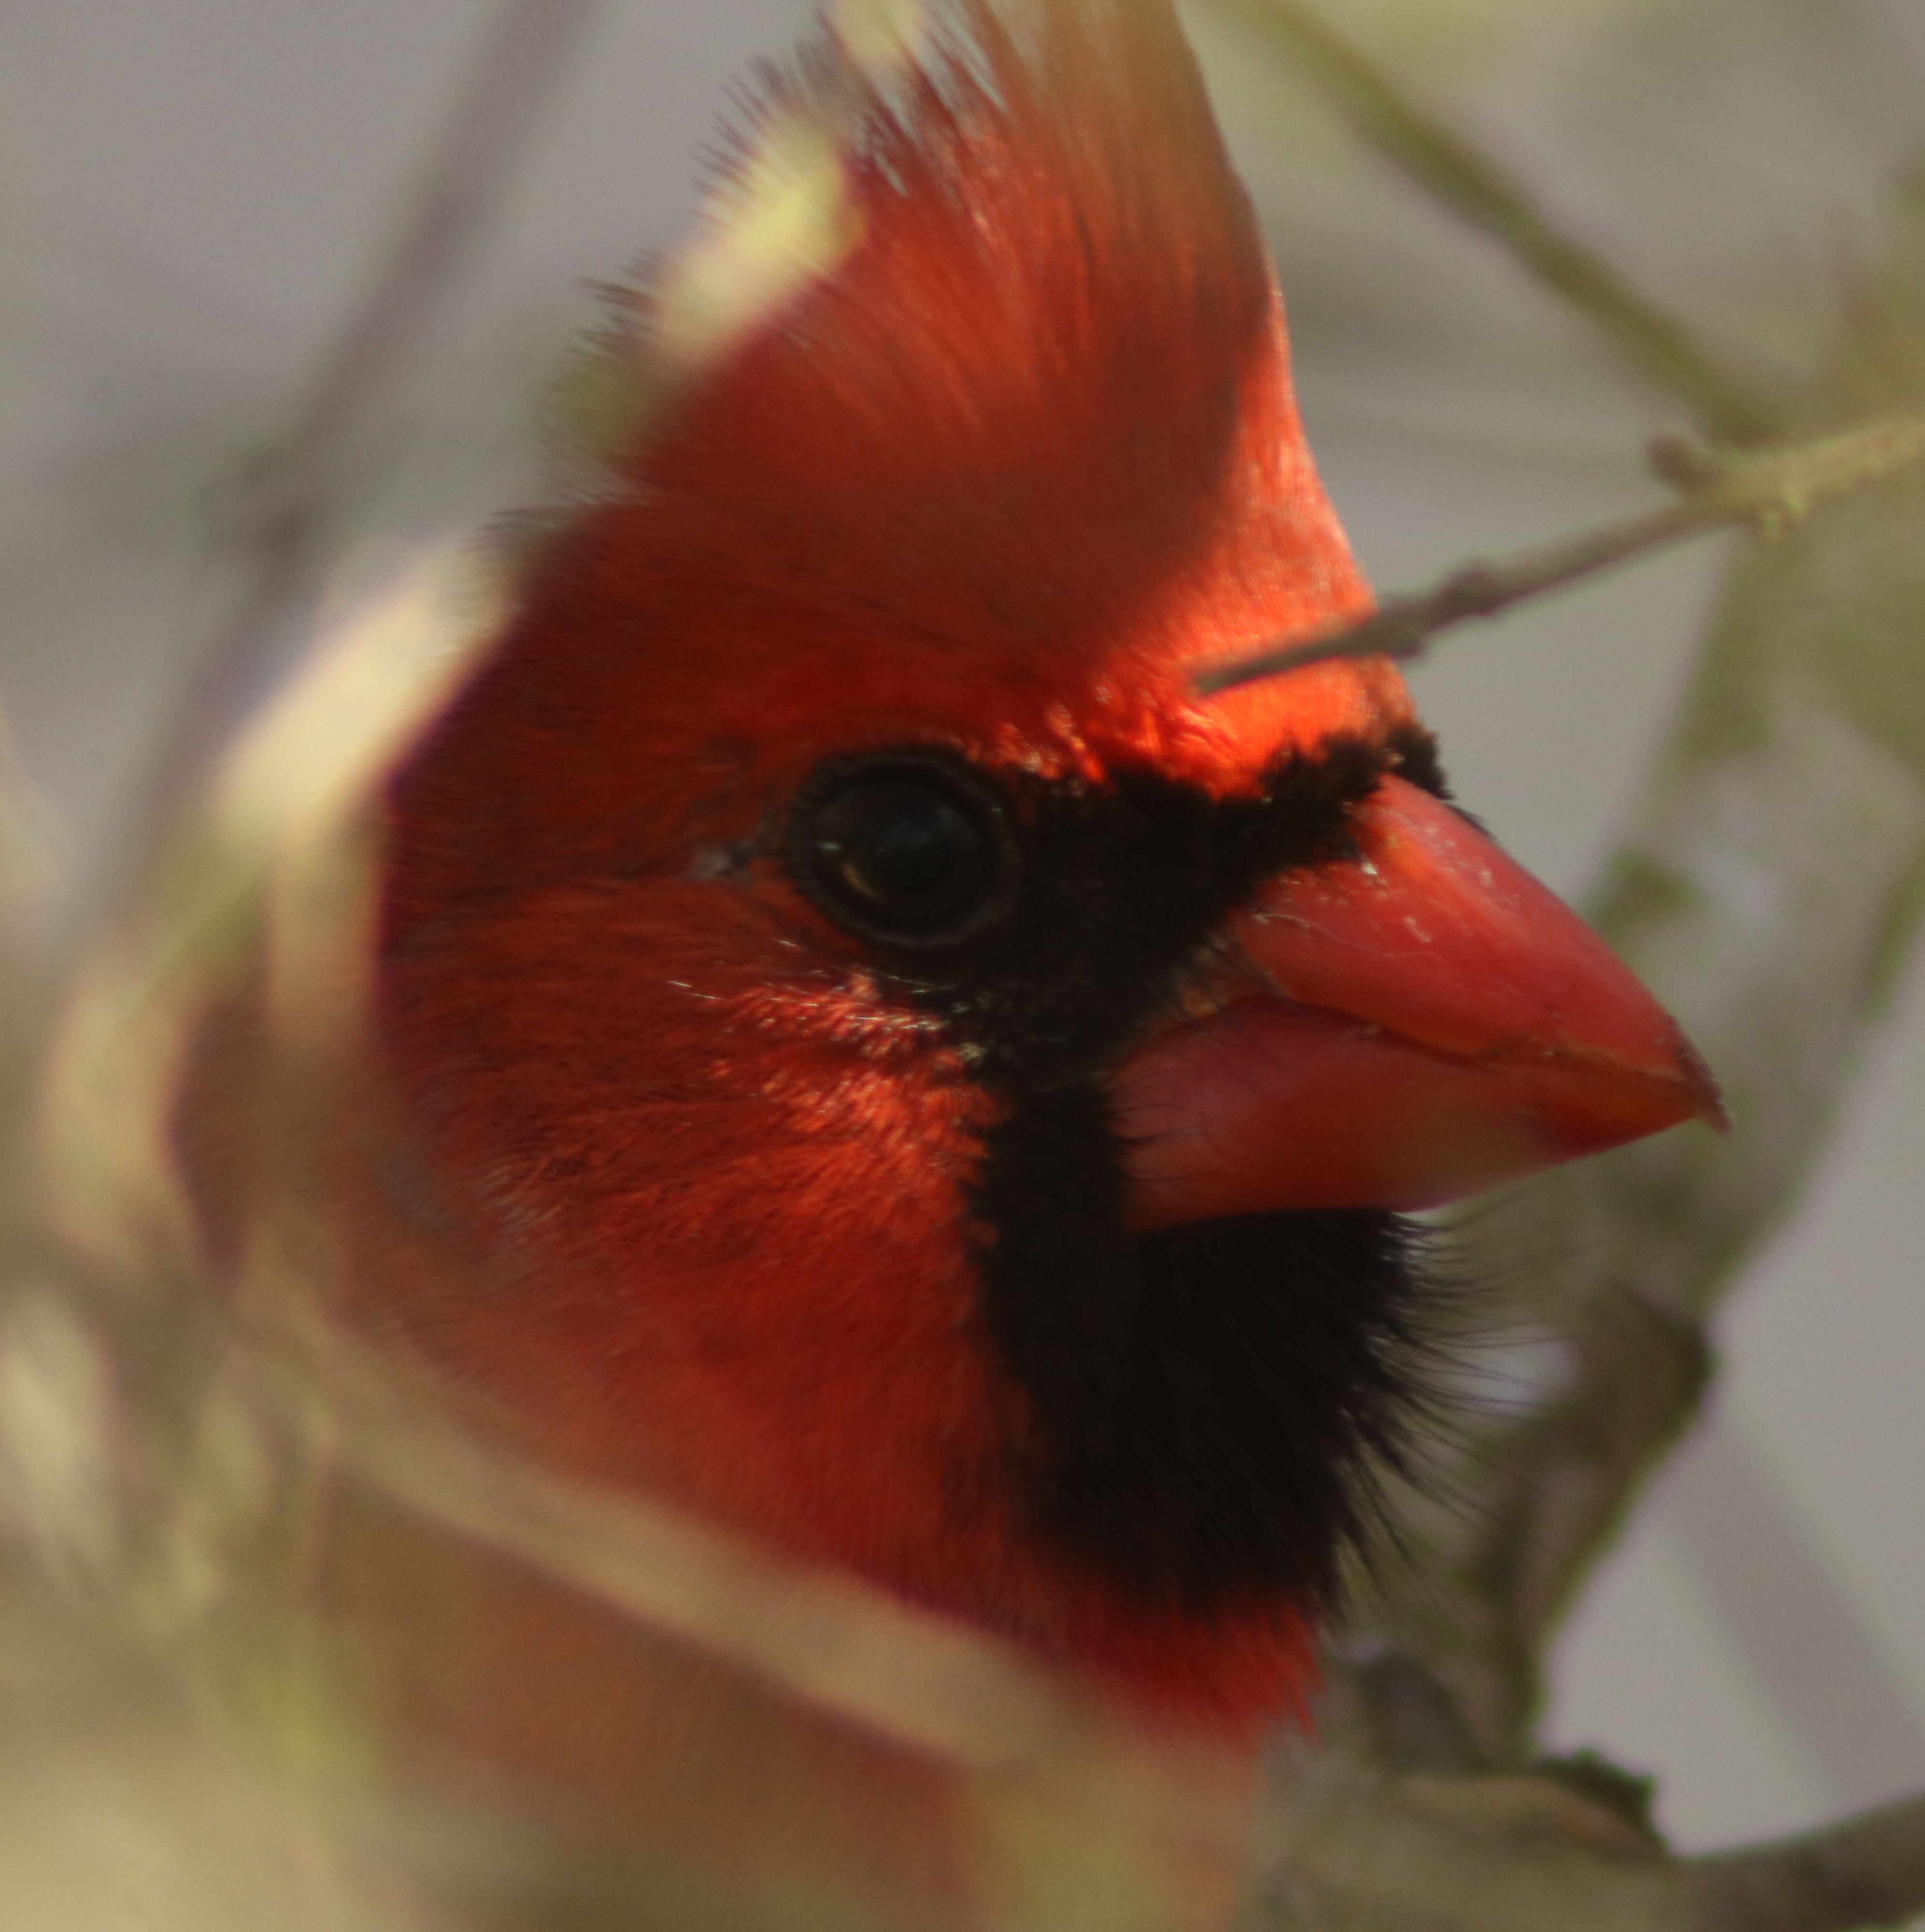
(880, 1062)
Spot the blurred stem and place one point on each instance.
(1771, 489)
(1769, 888)
(277, 530)
(1475, 187)
(1866, 1871)
(1525, 1854)
(279, 523)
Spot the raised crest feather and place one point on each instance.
(989, 255)
(899, 107)
(974, 371)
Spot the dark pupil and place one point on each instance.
(903, 853)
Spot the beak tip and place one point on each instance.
(1707, 1098)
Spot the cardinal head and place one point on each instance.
(872, 1057)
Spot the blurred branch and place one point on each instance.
(1512, 1854)
(278, 529)
(1867, 1870)
(1769, 489)
(1474, 187)
(1814, 1658)
(31, 836)
(285, 508)
(1769, 888)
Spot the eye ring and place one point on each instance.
(913, 848)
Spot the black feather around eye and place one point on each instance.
(1200, 1409)
(1413, 755)
(1045, 922)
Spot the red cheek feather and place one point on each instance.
(778, 1329)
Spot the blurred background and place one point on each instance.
(194, 194)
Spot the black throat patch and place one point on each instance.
(1200, 1406)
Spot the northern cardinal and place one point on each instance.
(879, 1062)
(921, 1086)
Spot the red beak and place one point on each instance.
(1424, 1023)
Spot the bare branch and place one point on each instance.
(1867, 1870)
(1473, 185)
(1531, 1854)
(1797, 757)
(1769, 489)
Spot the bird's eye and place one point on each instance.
(912, 848)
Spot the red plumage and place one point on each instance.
(860, 1052)
(1028, 454)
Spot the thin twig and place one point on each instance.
(1770, 489)
(1475, 187)
(1797, 756)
